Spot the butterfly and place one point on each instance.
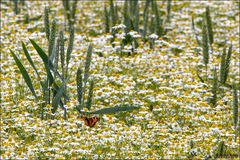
(90, 121)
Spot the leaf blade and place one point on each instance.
(57, 99)
(24, 74)
(112, 110)
(46, 60)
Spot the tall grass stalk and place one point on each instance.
(79, 88)
(223, 65)
(169, 6)
(228, 62)
(145, 19)
(195, 32)
(209, 25)
(46, 23)
(90, 95)
(214, 88)
(205, 48)
(70, 11)
(235, 109)
(86, 71)
(112, 13)
(106, 18)
(136, 16)
(62, 56)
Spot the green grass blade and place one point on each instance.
(222, 66)
(46, 60)
(29, 58)
(90, 95)
(70, 45)
(46, 23)
(24, 74)
(112, 13)
(79, 86)
(145, 19)
(227, 63)
(209, 25)
(57, 98)
(52, 38)
(120, 108)
(205, 45)
(235, 104)
(106, 19)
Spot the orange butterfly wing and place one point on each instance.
(90, 121)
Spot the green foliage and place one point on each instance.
(79, 88)
(62, 56)
(205, 48)
(70, 48)
(46, 22)
(16, 9)
(145, 19)
(195, 33)
(214, 88)
(136, 16)
(169, 6)
(90, 95)
(220, 150)
(235, 109)
(52, 38)
(116, 109)
(228, 62)
(48, 64)
(225, 64)
(209, 25)
(56, 59)
(81, 83)
(126, 20)
(112, 13)
(67, 56)
(49, 67)
(87, 68)
(87, 63)
(116, 13)
(51, 64)
(106, 18)
(57, 98)
(158, 24)
(29, 58)
(24, 74)
(70, 11)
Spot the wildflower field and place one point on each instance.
(125, 79)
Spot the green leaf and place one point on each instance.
(112, 13)
(120, 108)
(145, 19)
(24, 74)
(70, 45)
(48, 64)
(205, 45)
(209, 25)
(90, 95)
(56, 88)
(29, 58)
(79, 86)
(106, 18)
(57, 98)
(52, 38)
(235, 104)
(46, 23)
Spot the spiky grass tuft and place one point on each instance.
(214, 88)
(235, 109)
(79, 88)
